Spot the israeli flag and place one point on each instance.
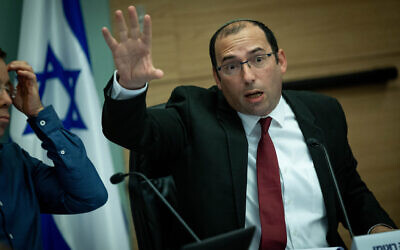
(53, 41)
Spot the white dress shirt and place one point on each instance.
(305, 213)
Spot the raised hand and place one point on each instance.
(27, 99)
(132, 54)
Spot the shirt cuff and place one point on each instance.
(45, 122)
(120, 93)
(380, 224)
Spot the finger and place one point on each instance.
(134, 22)
(157, 74)
(26, 76)
(19, 65)
(147, 30)
(121, 26)
(110, 40)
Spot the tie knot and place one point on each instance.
(265, 122)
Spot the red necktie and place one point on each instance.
(272, 218)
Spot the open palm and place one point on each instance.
(132, 54)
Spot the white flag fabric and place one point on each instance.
(53, 41)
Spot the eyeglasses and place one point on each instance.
(9, 88)
(233, 68)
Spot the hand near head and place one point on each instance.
(27, 99)
(132, 54)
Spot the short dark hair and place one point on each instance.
(268, 33)
(2, 54)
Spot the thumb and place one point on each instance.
(158, 73)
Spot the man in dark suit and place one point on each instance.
(214, 140)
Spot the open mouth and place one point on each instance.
(254, 95)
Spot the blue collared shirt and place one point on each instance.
(29, 187)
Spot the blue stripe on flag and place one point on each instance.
(73, 14)
(52, 238)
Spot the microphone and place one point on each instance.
(119, 177)
(315, 144)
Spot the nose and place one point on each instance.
(247, 73)
(5, 99)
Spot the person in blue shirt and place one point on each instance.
(29, 187)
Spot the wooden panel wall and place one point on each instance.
(320, 38)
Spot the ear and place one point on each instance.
(282, 60)
(217, 79)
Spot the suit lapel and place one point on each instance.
(237, 150)
(309, 128)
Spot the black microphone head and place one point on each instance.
(117, 178)
(312, 142)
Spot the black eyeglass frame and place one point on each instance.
(247, 61)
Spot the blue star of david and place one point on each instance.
(68, 78)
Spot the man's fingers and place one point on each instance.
(132, 55)
(121, 26)
(110, 40)
(147, 30)
(157, 74)
(19, 65)
(26, 75)
(134, 22)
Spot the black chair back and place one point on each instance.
(156, 227)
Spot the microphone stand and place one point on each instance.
(118, 177)
(314, 143)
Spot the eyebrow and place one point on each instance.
(227, 58)
(253, 51)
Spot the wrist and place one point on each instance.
(36, 112)
(129, 84)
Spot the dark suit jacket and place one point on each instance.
(199, 139)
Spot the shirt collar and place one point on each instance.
(278, 115)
